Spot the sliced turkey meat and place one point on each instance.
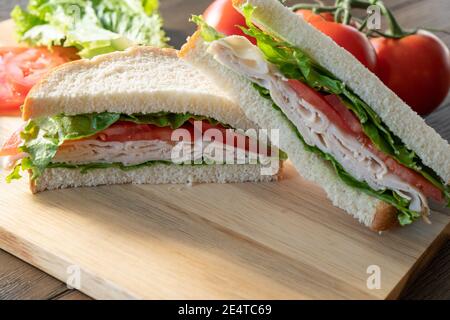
(238, 54)
(132, 153)
(128, 153)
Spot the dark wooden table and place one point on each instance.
(19, 280)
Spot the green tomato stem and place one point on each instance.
(342, 10)
(347, 11)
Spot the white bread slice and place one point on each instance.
(139, 80)
(368, 210)
(274, 17)
(60, 178)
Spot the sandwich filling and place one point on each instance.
(330, 120)
(104, 140)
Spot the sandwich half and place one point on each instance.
(339, 124)
(139, 116)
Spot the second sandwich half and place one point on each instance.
(339, 124)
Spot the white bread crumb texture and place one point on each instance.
(61, 178)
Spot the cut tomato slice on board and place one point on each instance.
(11, 146)
(21, 68)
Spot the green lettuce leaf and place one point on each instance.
(165, 119)
(208, 33)
(92, 26)
(42, 137)
(24, 20)
(84, 168)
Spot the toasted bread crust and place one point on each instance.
(385, 218)
(189, 45)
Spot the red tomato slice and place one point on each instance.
(320, 103)
(24, 69)
(9, 99)
(13, 50)
(234, 138)
(11, 146)
(408, 175)
(21, 68)
(348, 116)
(123, 131)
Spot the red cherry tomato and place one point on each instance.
(416, 68)
(225, 18)
(345, 36)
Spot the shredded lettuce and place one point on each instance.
(42, 137)
(92, 26)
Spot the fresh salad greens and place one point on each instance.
(92, 26)
(42, 137)
(295, 64)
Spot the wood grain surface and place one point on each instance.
(269, 240)
(19, 280)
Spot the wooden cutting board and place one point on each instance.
(273, 240)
